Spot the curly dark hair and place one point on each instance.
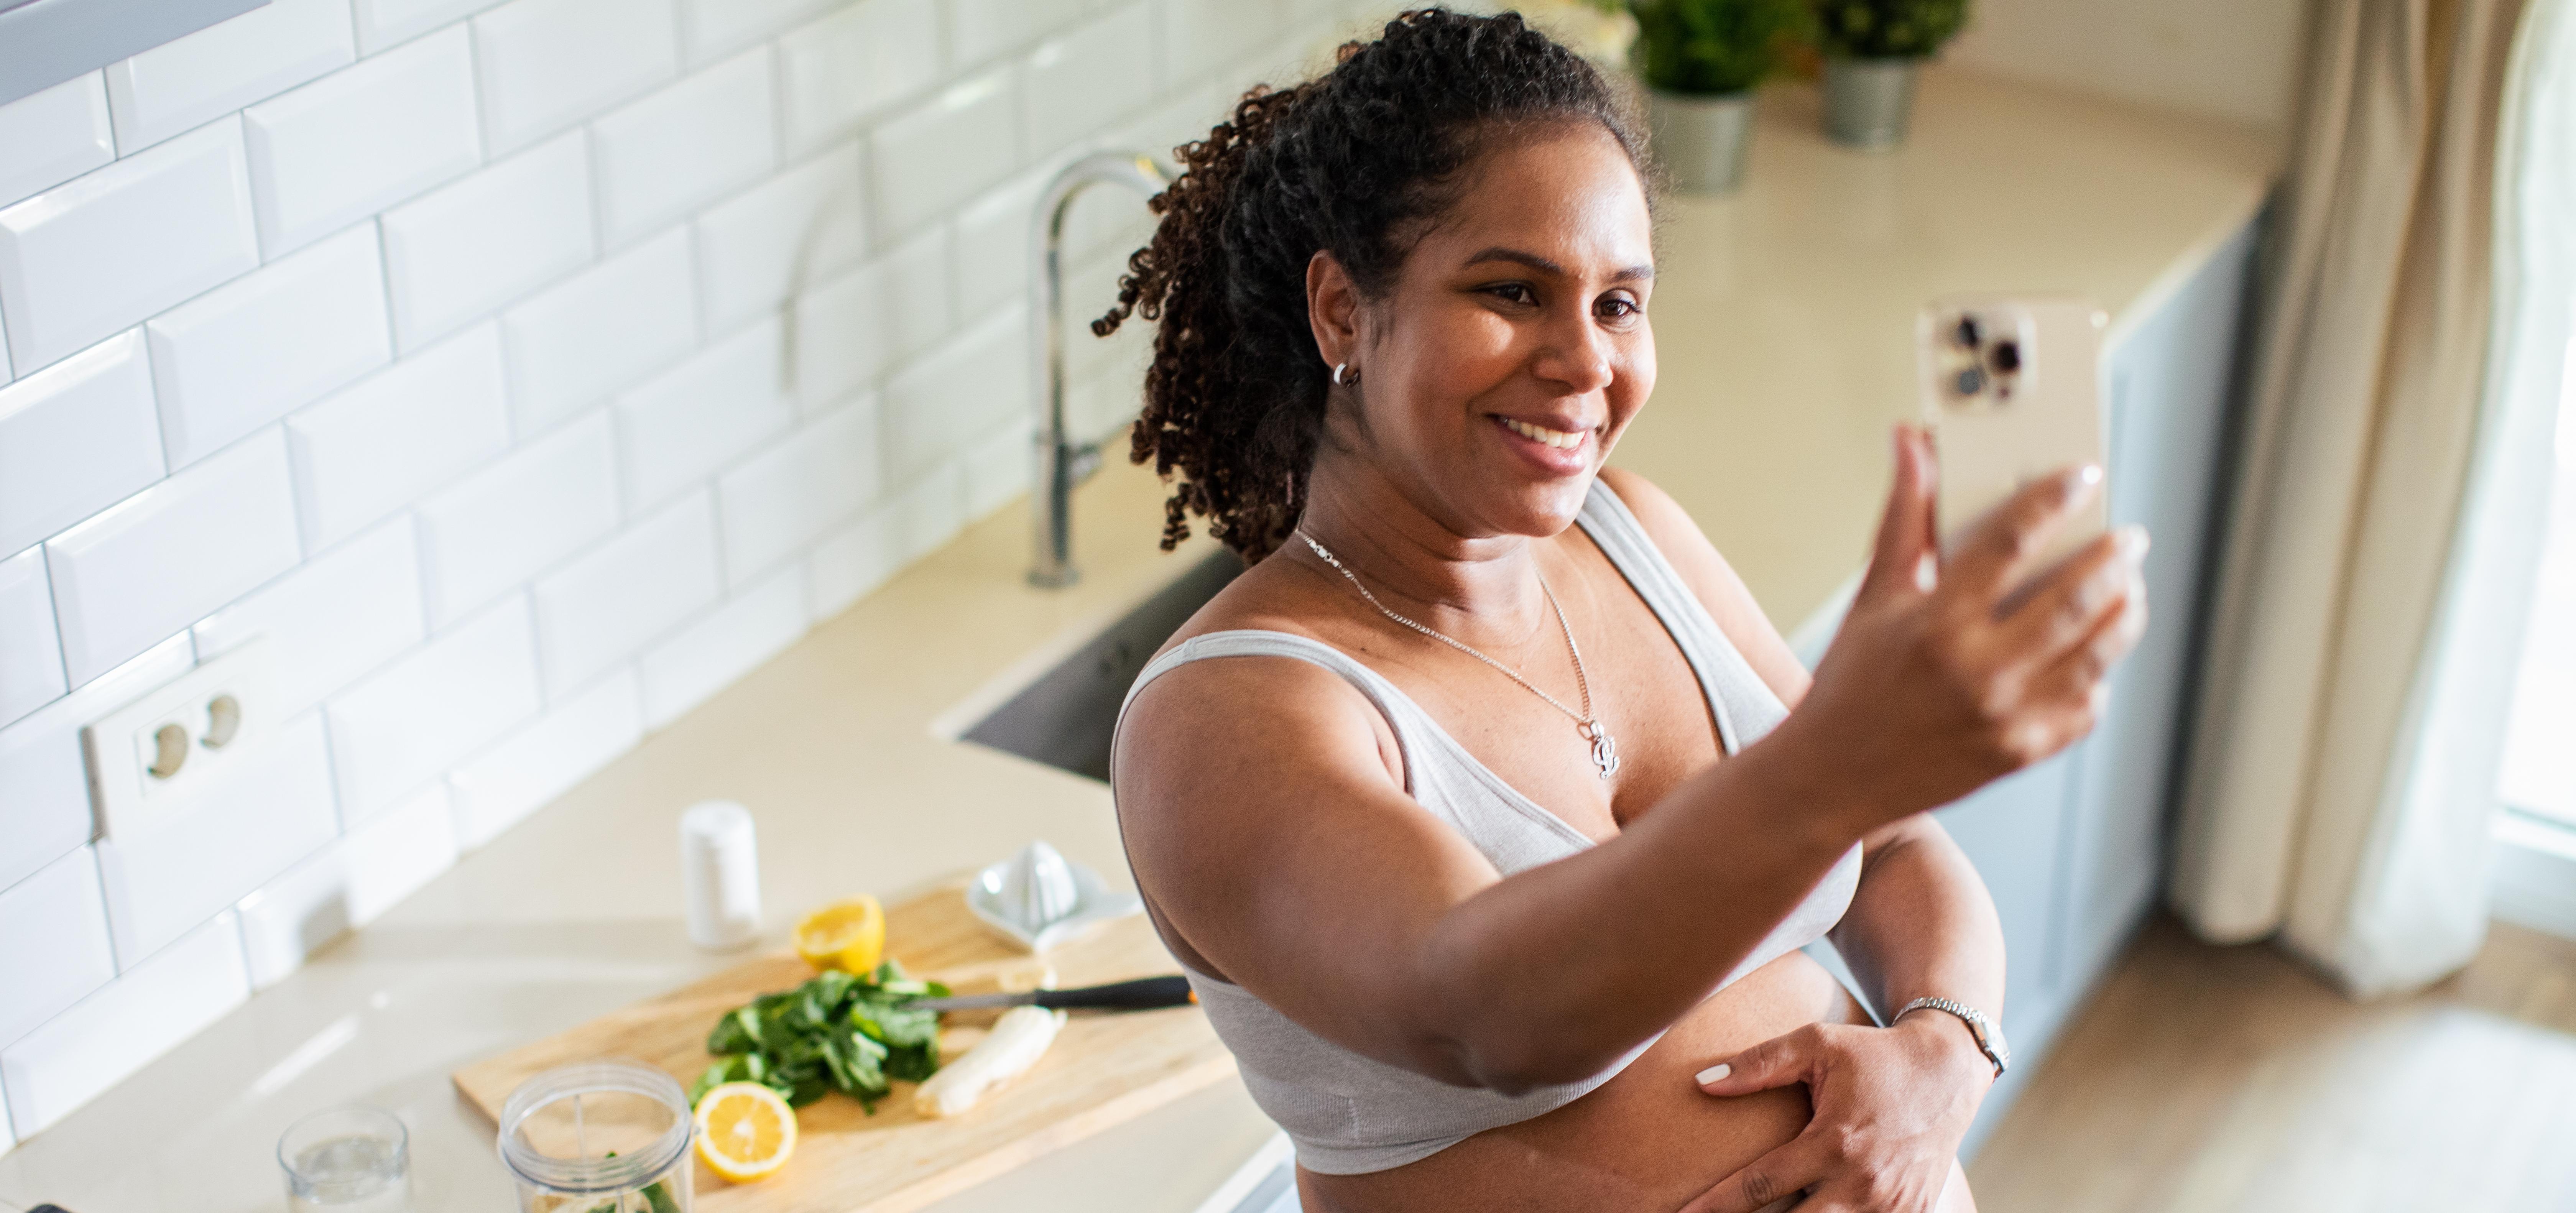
(1354, 163)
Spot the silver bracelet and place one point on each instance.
(1990, 1039)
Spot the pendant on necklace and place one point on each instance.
(1605, 751)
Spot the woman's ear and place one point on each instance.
(1332, 309)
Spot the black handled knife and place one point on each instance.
(1142, 994)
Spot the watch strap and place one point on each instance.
(1990, 1040)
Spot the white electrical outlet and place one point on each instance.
(147, 758)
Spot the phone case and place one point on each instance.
(2012, 392)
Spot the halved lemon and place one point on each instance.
(745, 1131)
(847, 935)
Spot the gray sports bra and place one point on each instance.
(1350, 1114)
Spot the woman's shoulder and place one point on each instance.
(1259, 599)
(1277, 704)
(1674, 533)
(1664, 519)
(1711, 579)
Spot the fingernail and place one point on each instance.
(1715, 1073)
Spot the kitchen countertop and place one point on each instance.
(1785, 316)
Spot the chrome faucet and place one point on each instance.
(1062, 461)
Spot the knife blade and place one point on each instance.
(1144, 993)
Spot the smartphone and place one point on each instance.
(2011, 393)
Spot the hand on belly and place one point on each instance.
(1646, 1140)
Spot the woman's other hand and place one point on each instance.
(1946, 676)
(1891, 1106)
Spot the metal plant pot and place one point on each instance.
(1867, 101)
(1702, 139)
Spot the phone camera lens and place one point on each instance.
(1968, 334)
(2006, 357)
(1970, 382)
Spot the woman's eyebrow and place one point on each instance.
(1634, 273)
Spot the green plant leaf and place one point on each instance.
(1887, 29)
(1714, 47)
(835, 1032)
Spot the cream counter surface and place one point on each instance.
(1784, 319)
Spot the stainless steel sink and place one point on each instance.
(1064, 719)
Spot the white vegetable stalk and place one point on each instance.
(1018, 1039)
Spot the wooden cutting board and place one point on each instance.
(1105, 1068)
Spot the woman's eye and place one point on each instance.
(1513, 292)
(1617, 308)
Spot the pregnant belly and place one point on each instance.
(1645, 1140)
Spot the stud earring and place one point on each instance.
(1343, 375)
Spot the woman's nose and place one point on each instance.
(1577, 355)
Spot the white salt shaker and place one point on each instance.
(720, 874)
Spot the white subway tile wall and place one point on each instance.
(344, 147)
(54, 136)
(671, 153)
(674, 431)
(163, 558)
(545, 65)
(515, 778)
(403, 726)
(459, 253)
(707, 656)
(507, 523)
(210, 73)
(375, 448)
(598, 610)
(254, 349)
(33, 675)
(386, 23)
(102, 252)
(760, 248)
(76, 437)
(605, 327)
(526, 373)
(53, 938)
(712, 28)
(334, 618)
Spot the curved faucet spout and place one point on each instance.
(1063, 462)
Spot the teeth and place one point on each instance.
(1563, 440)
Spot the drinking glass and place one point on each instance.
(347, 1160)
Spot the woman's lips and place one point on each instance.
(1558, 452)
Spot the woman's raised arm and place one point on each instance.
(1264, 807)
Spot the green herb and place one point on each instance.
(659, 1196)
(834, 1033)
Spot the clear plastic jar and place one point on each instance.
(600, 1137)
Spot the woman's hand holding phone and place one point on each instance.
(1949, 674)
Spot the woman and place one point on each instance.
(1477, 808)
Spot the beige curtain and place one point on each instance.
(2365, 415)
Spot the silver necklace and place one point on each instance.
(1605, 750)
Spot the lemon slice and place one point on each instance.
(848, 935)
(745, 1131)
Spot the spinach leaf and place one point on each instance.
(835, 1032)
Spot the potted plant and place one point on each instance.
(1701, 60)
(1872, 48)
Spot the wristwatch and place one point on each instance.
(1990, 1039)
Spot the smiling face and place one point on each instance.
(1512, 350)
